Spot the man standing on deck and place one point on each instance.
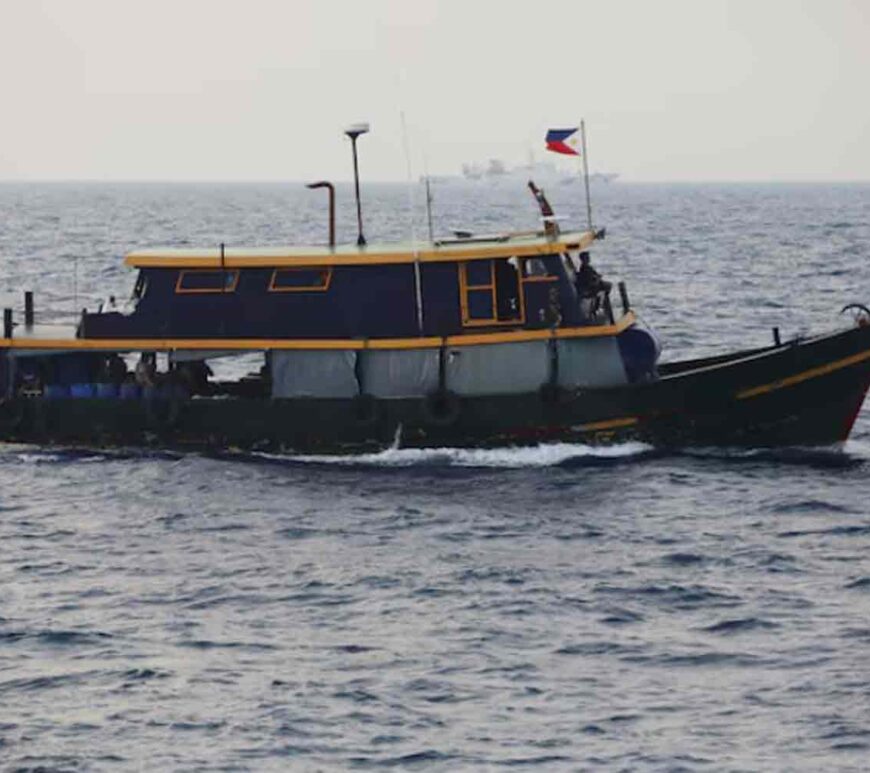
(590, 286)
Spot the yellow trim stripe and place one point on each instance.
(806, 375)
(262, 344)
(628, 421)
(354, 256)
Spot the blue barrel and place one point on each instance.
(82, 390)
(107, 391)
(129, 391)
(157, 392)
(55, 392)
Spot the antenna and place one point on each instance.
(223, 268)
(429, 208)
(586, 174)
(354, 131)
(418, 290)
(429, 198)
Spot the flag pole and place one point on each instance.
(586, 173)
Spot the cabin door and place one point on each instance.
(490, 293)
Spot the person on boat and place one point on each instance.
(193, 376)
(146, 370)
(114, 369)
(590, 286)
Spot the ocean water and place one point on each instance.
(554, 608)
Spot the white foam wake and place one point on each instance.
(544, 455)
(859, 449)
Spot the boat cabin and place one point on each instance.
(521, 281)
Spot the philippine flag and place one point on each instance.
(563, 141)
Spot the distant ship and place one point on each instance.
(494, 168)
(543, 172)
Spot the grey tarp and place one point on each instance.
(498, 369)
(393, 373)
(189, 355)
(590, 362)
(314, 373)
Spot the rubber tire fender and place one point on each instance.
(366, 411)
(441, 408)
(163, 414)
(553, 394)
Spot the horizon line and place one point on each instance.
(433, 177)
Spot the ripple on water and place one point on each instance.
(676, 596)
(740, 625)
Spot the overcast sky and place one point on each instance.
(262, 89)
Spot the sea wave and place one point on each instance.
(542, 455)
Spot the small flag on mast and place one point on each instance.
(563, 141)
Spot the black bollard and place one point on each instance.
(776, 340)
(28, 308)
(7, 323)
(623, 294)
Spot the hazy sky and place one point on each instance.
(262, 89)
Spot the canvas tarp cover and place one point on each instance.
(590, 362)
(498, 369)
(195, 355)
(314, 374)
(399, 373)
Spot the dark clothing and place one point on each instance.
(591, 290)
(589, 281)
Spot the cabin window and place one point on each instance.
(298, 280)
(207, 281)
(534, 267)
(479, 274)
(489, 293)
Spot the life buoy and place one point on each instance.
(365, 411)
(441, 408)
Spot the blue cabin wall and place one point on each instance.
(361, 301)
(442, 313)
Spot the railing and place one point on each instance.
(595, 307)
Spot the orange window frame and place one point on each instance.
(464, 288)
(303, 288)
(210, 290)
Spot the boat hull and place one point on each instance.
(804, 393)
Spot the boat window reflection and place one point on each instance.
(300, 279)
(207, 281)
(534, 267)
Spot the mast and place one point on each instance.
(418, 281)
(354, 132)
(429, 209)
(586, 174)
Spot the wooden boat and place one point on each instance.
(467, 341)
